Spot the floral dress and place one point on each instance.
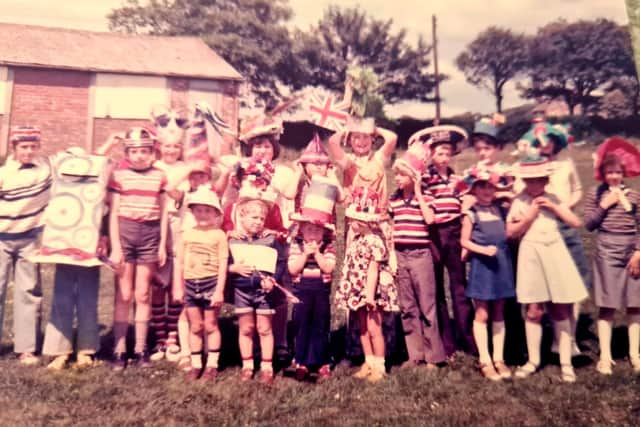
(351, 289)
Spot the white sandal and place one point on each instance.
(525, 370)
(567, 374)
(605, 367)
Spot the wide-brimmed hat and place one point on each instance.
(414, 161)
(319, 203)
(203, 196)
(489, 127)
(315, 152)
(24, 134)
(364, 205)
(441, 134)
(628, 154)
(138, 137)
(533, 167)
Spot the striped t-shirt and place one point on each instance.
(24, 195)
(446, 193)
(140, 192)
(311, 269)
(615, 219)
(409, 226)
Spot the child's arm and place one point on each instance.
(562, 211)
(178, 277)
(114, 231)
(470, 245)
(595, 213)
(223, 260)
(222, 182)
(390, 141)
(164, 230)
(327, 260)
(372, 284)
(427, 212)
(106, 148)
(290, 186)
(337, 153)
(517, 224)
(297, 259)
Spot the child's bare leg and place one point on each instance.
(196, 328)
(365, 339)
(497, 329)
(605, 330)
(122, 306)
(480, 332)
(144, 273)
(183, 334)
(265, 332)
(214, 338)
(374, 325)
(246, 328)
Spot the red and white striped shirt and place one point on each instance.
(311, 269)
(446, 193)
(140, 192)
(409, 226)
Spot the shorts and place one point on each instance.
(248, 301)
(199, 292)
(140, 240)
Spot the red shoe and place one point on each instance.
(246, 375)
(324, 373)
(266, 378)
(209, 374)
(301, 372)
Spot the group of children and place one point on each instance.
(179, 252)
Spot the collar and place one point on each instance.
(13, 164)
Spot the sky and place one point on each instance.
(459, 21)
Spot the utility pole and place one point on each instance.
(436, 120)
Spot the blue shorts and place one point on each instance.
(199, 292)
(249, 301)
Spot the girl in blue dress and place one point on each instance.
(491, 281)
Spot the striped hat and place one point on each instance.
(533, 167)
(414, 161)
(441, 134)
(138, 137)
(315, 152)
(319, 202)
(24, 133)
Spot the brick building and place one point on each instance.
(79, 86)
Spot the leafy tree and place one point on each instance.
(250, 34)
(493, 58)
(573, 60)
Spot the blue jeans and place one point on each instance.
(75, 292)
(27, 292)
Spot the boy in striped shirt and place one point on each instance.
(411, 215)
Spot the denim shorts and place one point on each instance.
(250, 300)
(140, 240)
(199, 292)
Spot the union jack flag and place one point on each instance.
(326, 111)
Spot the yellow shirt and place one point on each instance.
(204, 251)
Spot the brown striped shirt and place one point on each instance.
(615, 219)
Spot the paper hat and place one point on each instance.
(315, 152)
(364, 205)
(361, 125)
(414, 161)
(197, 150)
(137, 137)
(442, 134)
(489, 127)
(24, 134)
(533, 167)
(257, 172)
(260, 125)
(542, 133)
(203, 196)
(319, 202)
(478, 173)
(624, 150)
(249, 192)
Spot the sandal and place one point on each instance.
(489, 372)
(526, 370)
(605, 367)
(567, 374)
(28, 359)
(58, 363)
(364, 371)
(502, 369)
(184, 364)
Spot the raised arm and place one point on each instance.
(335, 149)
(390, 140)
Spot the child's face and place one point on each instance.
(613, 175)
(205, 215)
(360, 227)
(311, 232)
(170, 151)
(140, 157)
(361, 143)
(198, 178)
(486, 152)
(484, 192)
(548, 150)
(26, 151)
(402, 180)
(253, 217)
(535, 186)
(316, 169)
(261, 149)
(442, 155)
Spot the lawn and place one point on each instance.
(453, 395)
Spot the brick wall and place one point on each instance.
(55, 100)
(102, 128)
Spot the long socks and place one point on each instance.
(533, 331)
(498, 337)
(562, 330)
(158, 324)
(142, 330)
(634, 338)
(120, 337)
(604, 337)
(481, 335)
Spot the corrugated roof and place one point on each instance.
(35, 46)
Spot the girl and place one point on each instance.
(490, 282)
(203, 254)
(545, 273)
(611, 208)
(367, 288)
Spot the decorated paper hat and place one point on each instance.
(414, 161)
(137, 137)
(361, 125)
(203, 196)
(489, 127)
(441, 134)
(257, 172)
(624, 150)
(315, 152)
(533, 167)
(261, 125)
(319, 202)
(364, 205)
(541, 134)
(479, 173)
(248, 192)
(24, 134)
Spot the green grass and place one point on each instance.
(452, 396)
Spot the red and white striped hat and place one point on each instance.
(315, 152)
(319, 202)
(24, 133)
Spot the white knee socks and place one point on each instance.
(562, 330)
(481, 335)
(498, 335)
(634, 338)
(604, 336)
(533, 331)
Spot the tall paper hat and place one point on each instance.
(315, 152)
(138, 137)
(414, 161)
(364, 205)
(24, 133)
(441, 134)
(624, 150)
(541, 134)
(361, 125)
(204, 196)
(319, 202)
(533, 167)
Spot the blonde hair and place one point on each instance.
(252, 204)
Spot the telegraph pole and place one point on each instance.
(436, 120)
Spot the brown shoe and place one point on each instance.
(502, 369)
(209, 374)
(266, 378)
(246, 375)
(489, 372)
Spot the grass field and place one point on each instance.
(454, 395)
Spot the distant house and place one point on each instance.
(79, 86)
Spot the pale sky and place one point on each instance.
(459, 21)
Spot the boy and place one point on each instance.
(25, 180)
(138, 233)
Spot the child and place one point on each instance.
(25, 180)
(257, 259)
(484, 235)
(367, 288)
(411, 215)
(203, 254)
(546, 273)
(138, 234)
(611, 208)
(312, 259)
(446, 189)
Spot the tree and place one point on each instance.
(249, 34)
(349, 37)
(572, 61)
(493, 58)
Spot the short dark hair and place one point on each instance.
(610, 159)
